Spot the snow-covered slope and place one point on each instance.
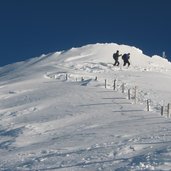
(57, 114)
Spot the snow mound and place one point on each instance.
(74, 110)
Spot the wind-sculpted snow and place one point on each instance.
(60, 112)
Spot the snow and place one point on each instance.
(56, 114)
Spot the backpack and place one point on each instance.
(115, 55)
(125, 57)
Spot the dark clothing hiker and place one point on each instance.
(116, 57)
(125, 58)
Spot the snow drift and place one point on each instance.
(57, 113)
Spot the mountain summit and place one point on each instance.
(70, 110)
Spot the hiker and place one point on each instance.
(125, 58)
(115, 57)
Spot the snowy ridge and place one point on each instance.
(56, 114)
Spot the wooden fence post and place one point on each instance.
(162, 110)
(123, 87)
(114, 84)
(168, 110)
(105, 83)
(148, 105)
(66, 77)
(129, 94)
(135, 96)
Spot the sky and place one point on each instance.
(30, 28)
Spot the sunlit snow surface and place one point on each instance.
(56, 114)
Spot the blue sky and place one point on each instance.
(29, 28)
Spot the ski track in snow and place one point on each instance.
(62, 118)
